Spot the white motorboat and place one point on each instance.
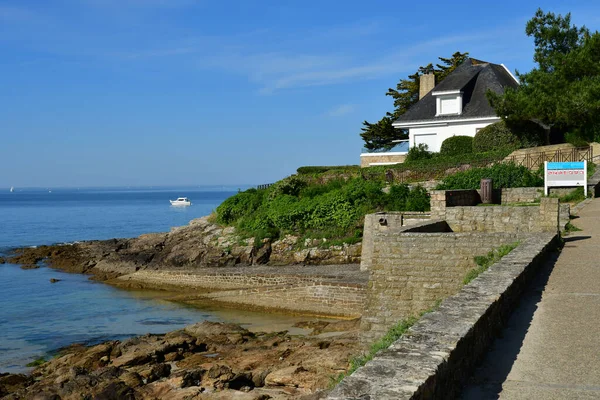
(181, 201)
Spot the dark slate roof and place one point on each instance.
(473, 78)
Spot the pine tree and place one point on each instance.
(380, 135)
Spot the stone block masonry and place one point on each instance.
(320, 298)
(410, 271)
(542, 218)
(390, 223)
(437, 355)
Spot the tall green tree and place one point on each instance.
(562, 93)
(381, 134)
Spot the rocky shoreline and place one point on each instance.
(200, 244)
(205, 360)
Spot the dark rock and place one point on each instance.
(222, 372)
(115, 391)
(159, 371)
(241, 380)
(193, 378)
(29, 266)
(12, 382)
(2, 260)
(54, 280)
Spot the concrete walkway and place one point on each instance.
(550, 348)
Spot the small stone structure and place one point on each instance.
(456, 208)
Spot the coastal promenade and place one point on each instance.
(550, 348)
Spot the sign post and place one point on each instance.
(565, 174)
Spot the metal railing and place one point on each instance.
(264, 186)
(535, 160)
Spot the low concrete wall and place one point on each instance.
(410, 271)
(326, 298)
(367, 160)
(436, 356)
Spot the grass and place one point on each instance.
(484, 262)
(36, 362)
(569, 227)
(393, 334)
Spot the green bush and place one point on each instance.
(333, 210)
(502, 175)
(418, 152)
(457, 145)
(529, 133)
(418, 200)
(309, 170)
(494, 137)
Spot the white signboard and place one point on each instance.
(565, 174)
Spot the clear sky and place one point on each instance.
(204, 92)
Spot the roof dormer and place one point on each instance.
(448, 102)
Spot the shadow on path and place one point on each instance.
(486, 382)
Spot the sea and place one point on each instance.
(38, 318)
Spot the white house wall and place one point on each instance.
(443, 132)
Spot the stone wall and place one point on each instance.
(320, 298)
(410, 271)
(367, 159)
(542, 218)
(226, 281)
(392, 222)
(434, 359)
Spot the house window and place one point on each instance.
(448, 103)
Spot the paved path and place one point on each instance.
(551, 346)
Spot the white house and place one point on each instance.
(456, 106)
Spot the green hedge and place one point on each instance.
(331, 210)
(502, 175)
(457, 145)
(495, 136)
(320, 169)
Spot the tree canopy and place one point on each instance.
(562, 93)
(381, 134)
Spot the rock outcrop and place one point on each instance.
(205, 360)
(200, 244)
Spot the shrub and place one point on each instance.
(502, 175)
(418, 200)
(494, 137)
(333, 210)
(529, 133)
(457, 145)
(418, 152)
(320, 169)
(239, 205)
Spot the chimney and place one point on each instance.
(426, 84)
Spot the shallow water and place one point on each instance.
(38, 317)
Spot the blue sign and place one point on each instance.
(566, 165)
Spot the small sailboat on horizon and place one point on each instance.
(12, 189)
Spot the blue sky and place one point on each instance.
(203, 92)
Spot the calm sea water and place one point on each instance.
(38, 317)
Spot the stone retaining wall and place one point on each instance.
(436, 356)
(542, 218)
(390, 223)
(344, 300)
(410, 271)
(366, 160)
(219, 281)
